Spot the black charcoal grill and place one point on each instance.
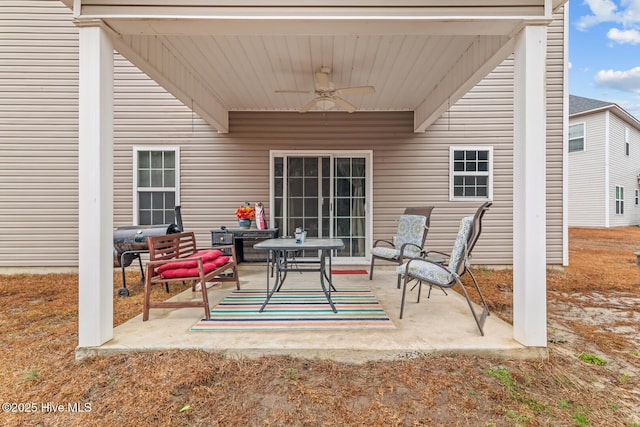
(131, 241)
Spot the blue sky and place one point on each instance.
(604, 51)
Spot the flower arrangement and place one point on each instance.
(246, 212)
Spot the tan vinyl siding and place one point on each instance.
(220, 171)
(555, 137)
(38, 134)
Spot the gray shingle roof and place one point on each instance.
(578, 104)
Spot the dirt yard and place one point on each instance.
(591, 377)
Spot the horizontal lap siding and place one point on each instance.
(555, 136)
(624, 170)
(409, 169)
(587, 207)
(483, 117)
(220, 171)
(38, 134)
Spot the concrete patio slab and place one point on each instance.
(441, 324)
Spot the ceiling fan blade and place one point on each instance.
(293, 91)
(349, 107)
(309, 105)
(355, 90)
(323, 80)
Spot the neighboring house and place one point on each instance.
(89, 141)
(604, 164)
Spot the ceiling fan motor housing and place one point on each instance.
(327, 94)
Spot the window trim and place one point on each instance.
(627, 144)
(489, 174)
(619, 201)
(584, 137)
(636, 197)
(134, 163)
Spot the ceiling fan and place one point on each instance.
(327, 95)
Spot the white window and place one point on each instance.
(637, 197)
(156, 182)
(576, 137)
(471, 173)
(626, 141)
(619, 200)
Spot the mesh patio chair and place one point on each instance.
(446, 276)
(411, 234)
(441, 257)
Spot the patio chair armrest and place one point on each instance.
(428, 253)
(408, 263)
(402, 250)
(389, 242)
(435, 257)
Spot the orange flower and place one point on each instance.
(245, 212)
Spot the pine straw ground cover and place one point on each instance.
(591, 377)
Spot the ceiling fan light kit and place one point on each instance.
(325, 104)
(327, 95)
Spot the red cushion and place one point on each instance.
(206, 256)
(193, 271)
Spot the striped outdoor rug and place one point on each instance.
(296, 309)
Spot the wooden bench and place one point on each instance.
(176, 258)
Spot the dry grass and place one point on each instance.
(593, 309)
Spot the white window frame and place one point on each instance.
(489, 174)
(332, 154)
(136, 189)
(627, 144)
(619, 200)
(584, 137)
(636, 197)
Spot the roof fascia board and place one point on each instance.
(334, 26)
(615, 109)
(313, 9)
(591, 111)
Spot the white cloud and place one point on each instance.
(602, 11)
(624, 36)
(626, 81)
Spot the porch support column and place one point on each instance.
(529, 188)
(95, 170)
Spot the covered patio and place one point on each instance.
(441, 324)
(221, 57)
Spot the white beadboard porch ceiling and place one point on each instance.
(253, 67)
(222, 56)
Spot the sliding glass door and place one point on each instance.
(326, 194)
(350, 201)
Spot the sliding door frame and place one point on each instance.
(332, 155)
